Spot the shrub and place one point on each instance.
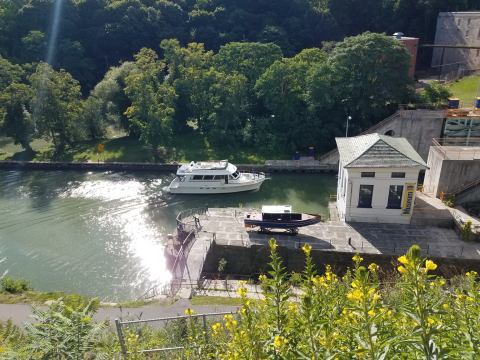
(14, 286)
(466, 230)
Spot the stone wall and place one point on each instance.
(419, 127)
(457, 28)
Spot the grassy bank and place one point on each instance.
(466, 89)
(124, 149)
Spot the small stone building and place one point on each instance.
(377, 178)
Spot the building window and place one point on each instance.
(368, 174)
(467, 33)
(478, 35)
(365, 196)
(469, 21)
(459, 21)
(395, 197)
(398, 175)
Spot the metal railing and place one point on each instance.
(162, 323)
(183, 226)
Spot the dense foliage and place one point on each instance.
(278, 73)
(246, 94)
(97, 34)
(361, 315)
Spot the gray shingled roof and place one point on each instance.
(376, 151)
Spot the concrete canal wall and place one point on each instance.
(279, 166)
(246, 261)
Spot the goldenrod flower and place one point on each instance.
(306, 249)
(402, 270)
(279, 341)
(189, 311)
(430, 265)
(403, 260)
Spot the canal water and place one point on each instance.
(102, 234)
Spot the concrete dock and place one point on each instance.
(225, 227)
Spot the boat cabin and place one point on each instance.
(208, 171)
(279, 213)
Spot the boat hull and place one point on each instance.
(216, 188)
(283, 224)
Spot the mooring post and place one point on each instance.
(121, 339)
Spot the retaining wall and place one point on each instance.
(253, 260)
(125, 166)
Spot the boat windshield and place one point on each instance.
(235, 175)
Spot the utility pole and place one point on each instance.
(346, 128)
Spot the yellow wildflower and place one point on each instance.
(446, 306)
(189, 312)
(355, 284)
(262, 278)
(430, 321)
(402, 270)
(242, 291)
(430, 265)
(216, 327)
(371, 313)
(273, 244)
(357, 259)
(472, 274)
(373, 267)
(403, 260)
(355, 295)
(306, 249)
(279, 341)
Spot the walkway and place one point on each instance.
(226, 226)
(22, 313)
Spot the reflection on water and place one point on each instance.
(102, 233)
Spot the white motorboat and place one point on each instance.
(219, 177)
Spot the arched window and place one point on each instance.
(390, 133)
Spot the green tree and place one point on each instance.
(108, 102)
(18, 122)
(9, 73)
(369, 76)
(152, 107)
(283, 89)
(56, 105)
